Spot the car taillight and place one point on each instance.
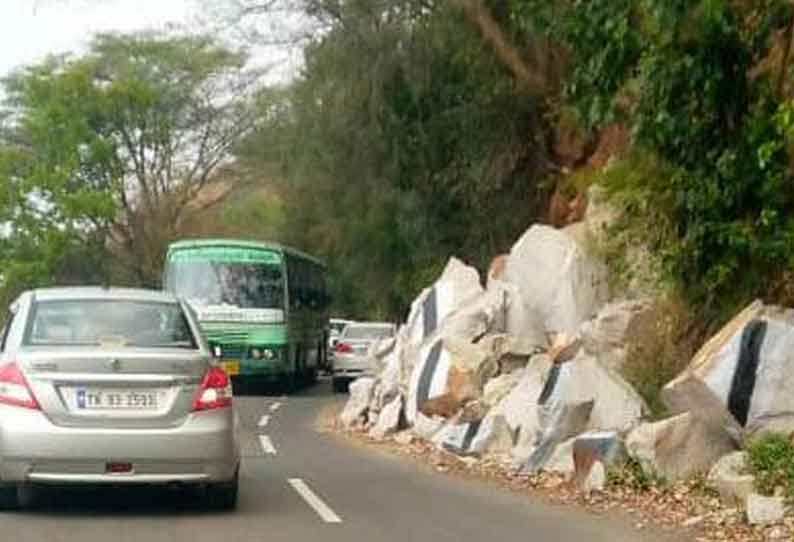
(14, 388)
(343, 348)
(215, 391)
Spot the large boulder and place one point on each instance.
(454, 364)
(616, 405)
(457, 284)
(520, 405)
(678, 447)
(478, 437)
(355, 411)
(764, 510)
(730, 477)
(741, 379)
(605, 337)
(556, 280)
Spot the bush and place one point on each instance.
(659, 352)
(771, 461)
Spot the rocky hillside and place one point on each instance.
(528, 370)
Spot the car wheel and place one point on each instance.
(339, 385)
(223, 496)
(9, 499)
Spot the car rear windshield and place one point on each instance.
(111, 322)
(369, 332)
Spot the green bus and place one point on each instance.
(263, 307)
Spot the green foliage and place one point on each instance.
(771, 460)
(106, 150)
(402, 143)
(693, 80)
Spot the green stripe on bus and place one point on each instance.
(225, 254)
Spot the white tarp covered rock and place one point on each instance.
(617, 406)
(357, 405)
(451, 368)
(556, 280)
(479, 437)
(457, 284)
(559, 420)
(561, 459)
(742, 377)
(730, 477)
(764, 510)
(678, 447)
(388, 420)
(605, 336)
(520, 406)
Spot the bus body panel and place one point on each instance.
(290, 348)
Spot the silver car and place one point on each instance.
(115, 387)
(351, 359)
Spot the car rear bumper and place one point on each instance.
(351, 366)
(202, 450)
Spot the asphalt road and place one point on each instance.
(300, 485)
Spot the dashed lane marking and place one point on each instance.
(267, 445)
(263, 421)
(275, 406)
(311, 498)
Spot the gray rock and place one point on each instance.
(764, 510)
(605, 448)
(388, 420)
(617, 406)
(451, 367)
(741, 378)
(605, 336)
(498, 388)
(354, 413)
(730, 478)
(457, 285)
(596, 479)
(561, 460)
(678, 447)
(520, 406)
(491, 436)
(556, 280)
(559, 420)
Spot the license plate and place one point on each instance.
(94, 399)
(231, 367)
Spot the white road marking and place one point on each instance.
(267, 445)
(311, 498)
(275, 406)
(263, 421)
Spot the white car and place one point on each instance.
(336, 327)
(351, 358)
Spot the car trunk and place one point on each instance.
(125, 387)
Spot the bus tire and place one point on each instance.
(289, 382)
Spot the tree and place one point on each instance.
(111, 147)
(401, 143)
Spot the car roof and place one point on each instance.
(97, 292)
(370, 324)
(242, 243)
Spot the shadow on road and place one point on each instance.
(246, 388)
(115, 501)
